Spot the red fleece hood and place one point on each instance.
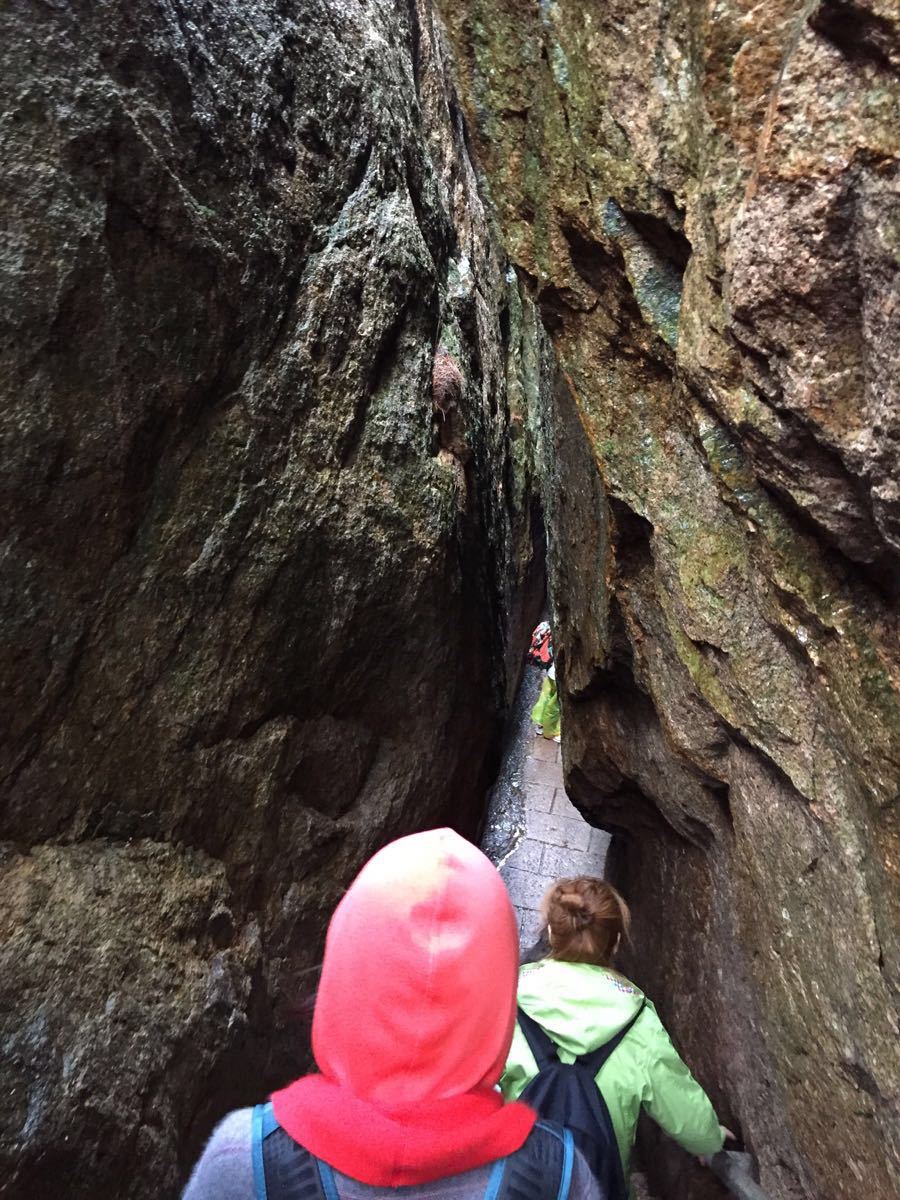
(413, 1020)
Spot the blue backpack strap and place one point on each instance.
(565, 1177)
(282, 1168)
(326, 1175)
(545, 1161)
(262, 1118)
(495, 1180)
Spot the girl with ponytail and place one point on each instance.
(582, 1003)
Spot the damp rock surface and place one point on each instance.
(272, 402)
(703, 209)
(262, 600)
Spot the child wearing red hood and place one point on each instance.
(413, 1021)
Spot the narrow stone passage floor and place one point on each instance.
(534, 833)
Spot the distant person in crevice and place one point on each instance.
(575, 998)
(546, 712)
(412, 1024)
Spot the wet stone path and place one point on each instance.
(534, 834)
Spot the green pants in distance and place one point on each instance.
(546, 710)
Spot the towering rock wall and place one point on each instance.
(703, 203)
(261, 571)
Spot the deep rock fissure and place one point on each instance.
(264, 601)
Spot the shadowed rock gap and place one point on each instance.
(262, 611)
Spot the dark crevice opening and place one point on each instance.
(591, 260)
(669, 242)
(861, 36)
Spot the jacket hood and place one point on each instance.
(416, 1000)
(580, 1006)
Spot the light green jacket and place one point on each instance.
(581, 1007)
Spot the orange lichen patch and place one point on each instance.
(755, 73)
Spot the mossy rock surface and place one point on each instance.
(262, 608)
(704, 208)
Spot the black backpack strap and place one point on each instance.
(595, 1060)
(539, 1043)
(282, 1168)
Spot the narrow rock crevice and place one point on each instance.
(266, 590)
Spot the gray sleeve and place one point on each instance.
(224, 1171)
(584, 1186)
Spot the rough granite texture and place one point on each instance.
(260, 611)
(702, 201)
(264, 589)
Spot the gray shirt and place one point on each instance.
(224, 1171)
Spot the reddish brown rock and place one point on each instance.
(705, 208)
